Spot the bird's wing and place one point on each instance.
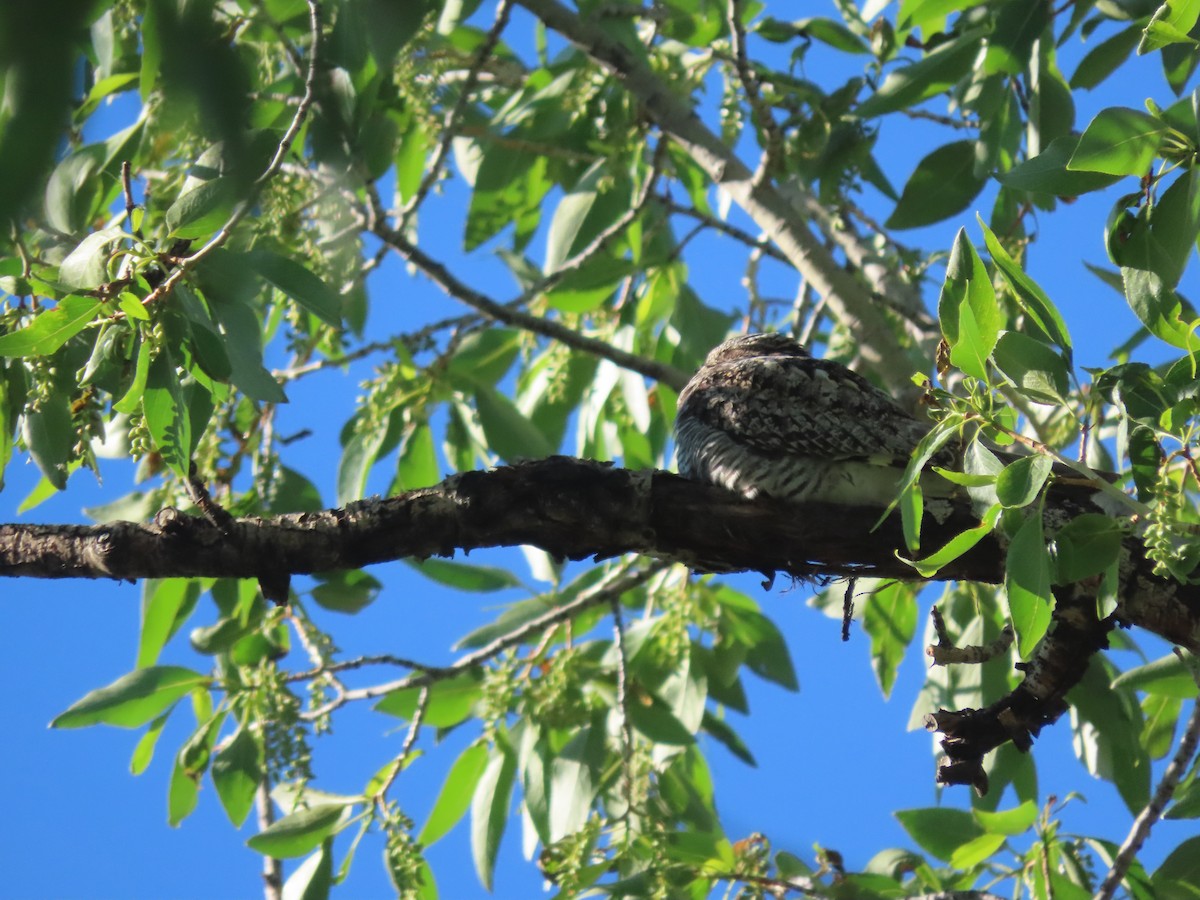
(805, 407)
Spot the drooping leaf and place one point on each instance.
(51, 328)
(943, 184)
(454, 799)
(1027, 584)
(489, 811)
(1118, 141)
(300, 831)
(237, 773)
(132, 699)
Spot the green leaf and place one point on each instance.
(183, 792)
(1021, 481)
(51, 328)
(1171, 24)
(1104, 59)
(166, 413)
(575, 776)
(143, 753)
(86, 267)
(943, 184)
(509, 188)
(968, 313)
(489, 811)
(955, 547)
(418, 464)
(567, 224)
(137, 387)
(1033, 366)
(237, 770)
(939, 831)
(509, 433)
(973, 852)
(831, 32)
(450, 701)
(242, 335)
(346, 591)
(484, 357)
(299, 284)
(1187, 802)
(50, 436)
(1018, 24)
(1047, 173)
(1107, 726)
(313, 878)
(1010, 822)
(132, 699)
(1179, 874)
(166, 604)
(654, 719)
(1027, 584)
(455, 796)
(1029, 296)
(889, 618)
(767, 654)
(1168, 676)
(722, 732)
(1118, 141)
(1086, 546)
(360, 449)
(1159, 308)
(934, 73)
(299, 832)
(466, 577)
(203, 209)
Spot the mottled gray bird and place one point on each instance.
(762, 417)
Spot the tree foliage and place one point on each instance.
(206, 203)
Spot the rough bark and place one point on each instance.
(572, 508)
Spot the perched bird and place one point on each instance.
(762, 417)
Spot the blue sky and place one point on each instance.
(834, 759)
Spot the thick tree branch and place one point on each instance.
(572, 508)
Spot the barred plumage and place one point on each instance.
(761, 416)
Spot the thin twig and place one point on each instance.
(453, 121)
(272, 869)
(1149, 816)
(511, 314)
(732, 231)
(410, 739)
(617, 583)
(185, 265)
(760, 111)
(975, 654)
(349, 665)
(623, 703)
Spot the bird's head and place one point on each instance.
(747, 346)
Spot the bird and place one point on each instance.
(763, 418)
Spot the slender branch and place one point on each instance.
(760, 111)
(185, 265)
(272, 869)
(410, 740)
(614, 585)
(622, 706)
(724, 227)
(453, 121)
(506, 313)
(349, 665)
(1149, 816)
